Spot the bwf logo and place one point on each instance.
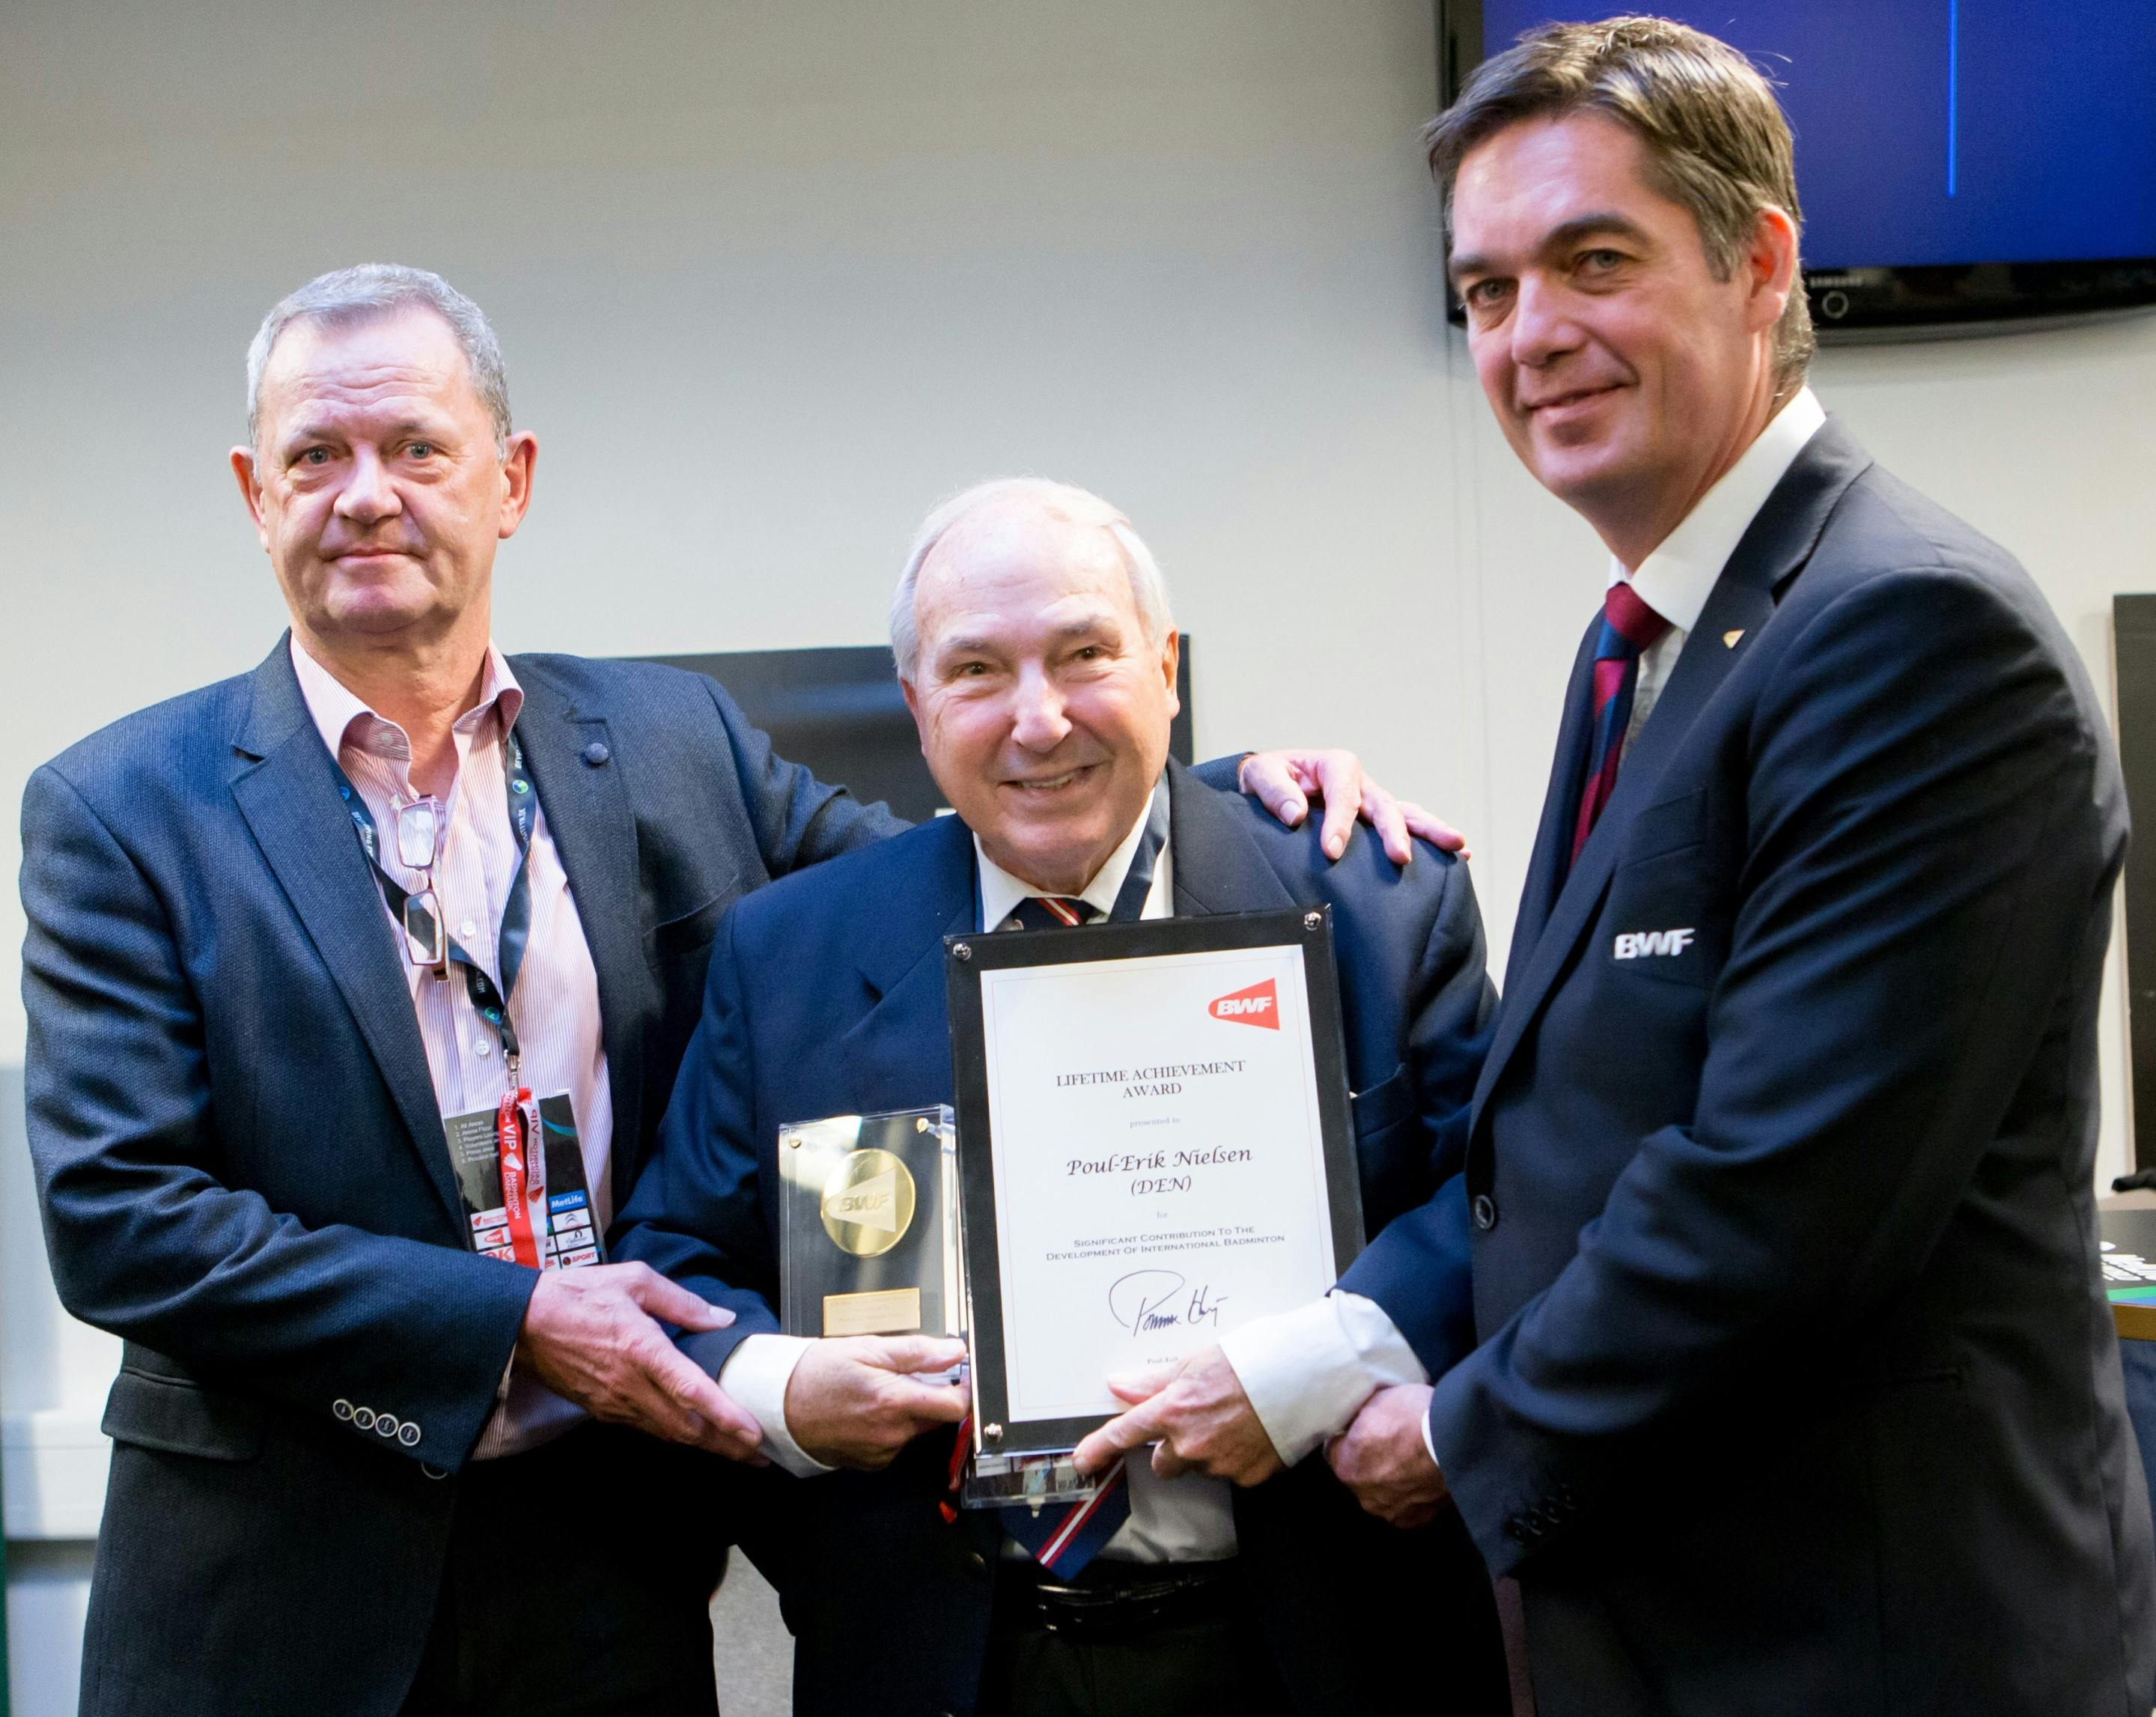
(1639, 944)
(1258, 1006)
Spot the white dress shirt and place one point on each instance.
(555, 1005)
(1308, 1372)
(1187, 1520)
(1676, 579)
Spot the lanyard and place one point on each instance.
(489, 1000)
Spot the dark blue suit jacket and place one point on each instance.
(243, 1166)
(1797, 1390)
(826, 997)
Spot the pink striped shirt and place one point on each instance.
(556, 1005)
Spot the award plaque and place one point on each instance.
(868, 1231)
(1155, 1147)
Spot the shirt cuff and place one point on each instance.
(756, 1375)
(493, 1434)
(1429, 1444)
(1307, 1372)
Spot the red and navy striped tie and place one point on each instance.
(1628, 628)
(1054, 912)
(1063, 1538)
(1060, 1536)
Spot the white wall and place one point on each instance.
(773, 277)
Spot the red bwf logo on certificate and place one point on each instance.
(1258, 1006)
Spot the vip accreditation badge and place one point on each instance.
(868, 1203)
(564, 1226)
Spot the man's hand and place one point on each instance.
(1384, 1460)
(1199, 1416)
(854, 1401)
(589, 1335)
(1286, 782)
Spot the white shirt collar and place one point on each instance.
(335, 707)
(1001, 891)
(1676, 579)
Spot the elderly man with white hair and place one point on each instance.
(1033, 638)
(355, 986)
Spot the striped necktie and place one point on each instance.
(1628, 628)
(1054, 912)
(1064, 1537)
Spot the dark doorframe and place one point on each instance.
(2133, 668)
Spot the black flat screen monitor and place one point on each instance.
(1960, 162)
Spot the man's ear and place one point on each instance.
(250, 491)
(516, 471)
(913, 708)
(1770, 266)
(1171, 653)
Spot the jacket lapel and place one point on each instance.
(903, 970)
(1772, 550)
(1546, 865)
(1217, 864)
(593, 828)
(286, 790)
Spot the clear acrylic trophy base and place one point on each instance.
(1007, 1481)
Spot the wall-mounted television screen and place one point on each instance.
(1960, 162)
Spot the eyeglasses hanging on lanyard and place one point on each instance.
(421, 824)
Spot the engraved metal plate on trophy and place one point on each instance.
(868, 1236)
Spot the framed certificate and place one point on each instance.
(1154, 1147)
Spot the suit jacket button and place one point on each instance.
(341, 1408)
(407, 1433)
(595, 753)
(387, 1424)
(977, 1565)
(1485, 1208)
(433, 1472)
(363, 1417)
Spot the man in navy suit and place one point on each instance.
(282, 931)
(1034, 643)
(1796, 1389)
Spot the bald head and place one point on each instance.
(1037, 656)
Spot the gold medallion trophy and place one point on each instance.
(869, 1241)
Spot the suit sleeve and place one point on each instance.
(1928, 863)
(798, 820)
(697, 1213)
(148, 1242)
(1416, 1268)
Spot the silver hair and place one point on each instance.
(1059, 501)
(348, 294)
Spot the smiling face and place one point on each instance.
(376, 484)
(1043, 707)
(1626, 377)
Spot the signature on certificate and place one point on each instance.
(1146, 1300)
